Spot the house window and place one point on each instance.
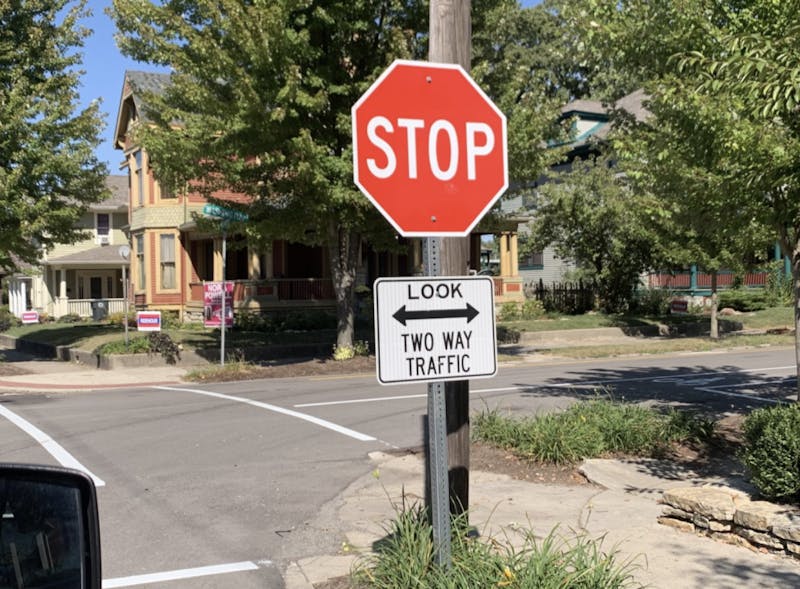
(140, 276)
(533, 260)
(139, 177)
(103, 227)
(166, 191)
(167, 261)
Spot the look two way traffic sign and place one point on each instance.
(433, 329)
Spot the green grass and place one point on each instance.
(689, 344)
(590, 429)
(405, 558)
(92, 336)
(773, 317)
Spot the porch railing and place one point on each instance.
(282, 289)
(83, 307)
(702, 280)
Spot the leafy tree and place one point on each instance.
(740, 54)
(260, 103)
(590, 215)
(48, 171)
(759, 62)
(679, 154)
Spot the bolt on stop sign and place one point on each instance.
(429, 149)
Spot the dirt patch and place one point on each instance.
(285, 369)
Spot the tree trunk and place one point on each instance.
(714, 331)
(344, 247)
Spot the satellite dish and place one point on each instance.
(124, 252)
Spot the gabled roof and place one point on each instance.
(102, 255)
(134, 85)
(594, 121)
(119, 199)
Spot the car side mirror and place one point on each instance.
(49, 529)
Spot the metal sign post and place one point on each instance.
(224, 294)
(437, 439)
(125, 254)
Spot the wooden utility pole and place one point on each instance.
(451, 42)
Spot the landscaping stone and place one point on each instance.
(757, 515)
(787, 526)
(679, 524)
(760, 538)
(712, 502)
(732, 517)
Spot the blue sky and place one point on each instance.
(105, 66)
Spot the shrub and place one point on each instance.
(69, 318)
(772, 451)
(7, 319)
(136, 345)
(162, 343)
(509, 311)
(507, 335)
(741, 299)
(118, 318)
(652, 301)
(359, 348)
(406, 558)
(778, 290)
(531, 309)
(590, 429)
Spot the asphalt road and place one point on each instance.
(237, 476)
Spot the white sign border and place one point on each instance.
(406, 279)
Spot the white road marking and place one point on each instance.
(219, 569)
(397, 398)
(717, 390)
(274, 408)
(689, 379)
(53, 448)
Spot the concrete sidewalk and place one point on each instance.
(43, 375)
(621, 507)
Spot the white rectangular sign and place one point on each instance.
(434, 328)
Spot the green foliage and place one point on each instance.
(778, 290)
(136, 345)
(591, 429)
(119, 319)
(772, 451)
(161, 343)
(406, 559)
(590, 216)
(170, 319)
(359, 348)
(507, 335)
(513, 311)
(743, 299)
(48, 171)
(7, 319)
(652, 301)
(308, 320)
(70, 318)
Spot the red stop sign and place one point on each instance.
(429, 149)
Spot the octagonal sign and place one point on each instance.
(429, 149)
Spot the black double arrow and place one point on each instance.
(469, 313)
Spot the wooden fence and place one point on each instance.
(563, 297)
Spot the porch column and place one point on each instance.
(505, 264)
(514, 254)
(217, 259)
(62, 284)
(254, 272)
(13, 296)
(23, 297)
